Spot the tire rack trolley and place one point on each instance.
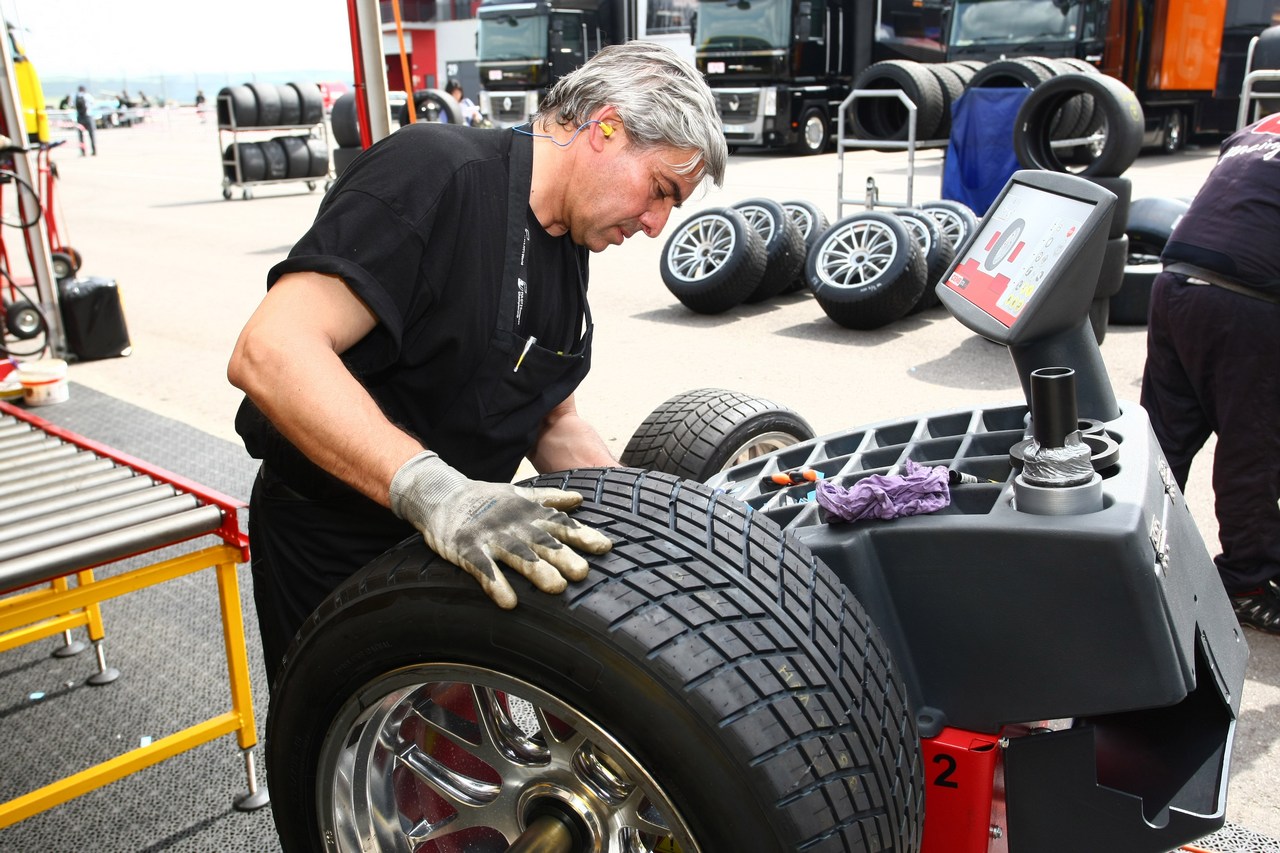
(68, 505)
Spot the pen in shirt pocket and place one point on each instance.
(528, 345)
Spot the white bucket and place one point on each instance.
(44, 382)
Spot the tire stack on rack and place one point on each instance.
(932, 87)
(346, 131)
(258, 107)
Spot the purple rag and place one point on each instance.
(917, 491)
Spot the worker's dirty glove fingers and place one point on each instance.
(482, 567)
(470, 523)
(554, 498)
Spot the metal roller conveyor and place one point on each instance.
(66, 518)
(43, 565)
(71, 500)
(65, 487)
(90, 465)
(27, 444)
(122, 521)
(44, 462)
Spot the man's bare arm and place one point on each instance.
(568, 441)
(287, 362)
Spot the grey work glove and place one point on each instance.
(476, 525)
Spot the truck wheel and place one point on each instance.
(815, 132)
(1151, 222)
(698, 434)
(811, 221)
(621, 715)
(886, 117)
(713, 261)
(1174, 135)
(783, 246)
(1116, 114)
(957, 220)
(867, 270)
(937, 249)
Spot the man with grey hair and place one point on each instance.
(429, 330)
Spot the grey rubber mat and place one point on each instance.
(167, 643)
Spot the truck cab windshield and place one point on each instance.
(994, 21)
(505, 36)
(743, 25)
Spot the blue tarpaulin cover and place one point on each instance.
(980, 157)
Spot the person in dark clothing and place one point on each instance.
(429, 330)
(85, 122)
(1213, 360)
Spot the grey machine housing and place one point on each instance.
(1112, 623)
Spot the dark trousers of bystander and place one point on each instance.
(1213, 366)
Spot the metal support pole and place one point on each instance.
(41, 266)
(373, 67)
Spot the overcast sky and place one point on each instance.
(102, 38)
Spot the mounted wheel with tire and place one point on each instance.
(811, 221)
(937, 249)
(700, 433)
(958, 221)
(713, 261)
(867, 270)
(413, 714)
(783, 246)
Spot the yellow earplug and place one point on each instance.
(606, 129)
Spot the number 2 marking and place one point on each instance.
(943, 779)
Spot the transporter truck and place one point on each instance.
(781, 68)
(1184, 61)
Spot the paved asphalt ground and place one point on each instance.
(148, 211)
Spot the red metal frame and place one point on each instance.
(229, 532)
(960, 771)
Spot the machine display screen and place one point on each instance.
(1017, 251)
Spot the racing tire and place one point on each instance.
(815, 132)
(236, 107)
(951, 83)
(1111, 273)
(811, 221)
(887, 118)
(1011, 74)
(1122, 189)
(937, 249)
(343, 157)
(343, 121)
(319, 155)
(957, 219)
(290, 105)
(431, 105)
(1131, 305)
(783, 246)
(297, 156)
(1151, 222)
(408, 697)
(698, 434)
(1116, 113)
(311, 102)
(267, 96)
(276, 159)
(253, 163)
(867, 270)
(713, 261)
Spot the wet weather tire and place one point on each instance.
(958, 221)
(867, 270)
(1151, 221)
(1117, 115)
(713, 261)
(887, 118)
(783, 246)
(937, 249)
(812, 222)
(699, 433)
(710, 682)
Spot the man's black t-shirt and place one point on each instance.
(417, 228)
(1230, 228)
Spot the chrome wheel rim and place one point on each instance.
(451, 756)
(801, 217)
(760, 445)
(920, 233)
(701, 247)
(950, 223)
(856, 254)
(759, 219)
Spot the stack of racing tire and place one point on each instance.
(267, 106)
